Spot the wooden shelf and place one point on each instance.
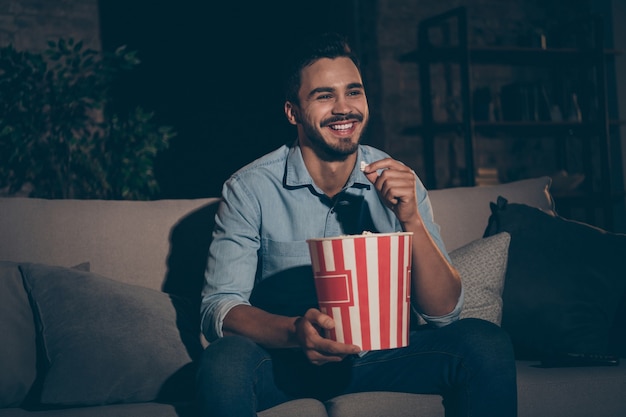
(517, 56)
(589, 61)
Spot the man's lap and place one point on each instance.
(421, 367)
(425, 365)
(468, 360)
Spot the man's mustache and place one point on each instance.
(342, 118)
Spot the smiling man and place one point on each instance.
(258, 303)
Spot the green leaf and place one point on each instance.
(57, 133)
(62, 45)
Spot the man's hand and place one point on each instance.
(318, 349)
(396, 185)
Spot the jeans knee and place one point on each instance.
(226, 377)
(486, 340)
(229, 358)
(487, 371)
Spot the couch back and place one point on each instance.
(463, 212)
(138, 242)
(157, 244)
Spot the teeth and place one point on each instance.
(342, 127)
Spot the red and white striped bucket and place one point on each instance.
(363, 283)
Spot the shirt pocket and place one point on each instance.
(279, 256)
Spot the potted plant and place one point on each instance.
(59, 136)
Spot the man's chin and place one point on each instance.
(340, 151)
(333, 148)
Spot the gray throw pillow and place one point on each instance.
(108, 342)
(482, 266)
(18, 349)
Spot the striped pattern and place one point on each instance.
(363, 283)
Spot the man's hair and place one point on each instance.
(327, 45)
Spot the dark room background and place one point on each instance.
(212, 71)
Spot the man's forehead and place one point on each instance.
(331, 74)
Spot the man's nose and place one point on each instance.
(341, 106)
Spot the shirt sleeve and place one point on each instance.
(440, 321)
(232, 261)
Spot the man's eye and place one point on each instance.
(324, 96)
(355, 93)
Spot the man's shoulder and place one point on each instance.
(272, 161)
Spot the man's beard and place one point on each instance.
(335, 151)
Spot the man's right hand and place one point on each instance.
(317, 348)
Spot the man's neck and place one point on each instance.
(329, 176)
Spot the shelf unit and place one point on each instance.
(596, 192)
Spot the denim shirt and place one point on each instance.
(270, 208)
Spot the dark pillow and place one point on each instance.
(617, 343)
(564, 281)
(107, 342)
(18, 357)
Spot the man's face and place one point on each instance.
(333, 111)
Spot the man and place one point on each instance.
(258, 310)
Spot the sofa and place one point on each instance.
(99, 304)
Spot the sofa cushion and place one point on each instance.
(387, 404)
(106, 342)
(571, 391)
(18, 348)
(563, 284)
(463, 212)
(482, 266)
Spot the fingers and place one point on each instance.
(394, 181)
(320, 319)
(384, 164)
(318, 349)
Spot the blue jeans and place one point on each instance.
(469, 362)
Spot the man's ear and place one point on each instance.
(292, 113)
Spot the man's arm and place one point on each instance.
(277, 332)
(436, 285)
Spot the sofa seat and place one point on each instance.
(571, 392)
(553, 392)
(298, 408)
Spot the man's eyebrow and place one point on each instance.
(355, 85)
(320, 90)
(331, 90)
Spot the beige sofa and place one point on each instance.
(104, 339)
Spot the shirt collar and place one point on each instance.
(296, 174)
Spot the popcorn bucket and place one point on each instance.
(363, 283)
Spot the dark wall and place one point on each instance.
(211, 70)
